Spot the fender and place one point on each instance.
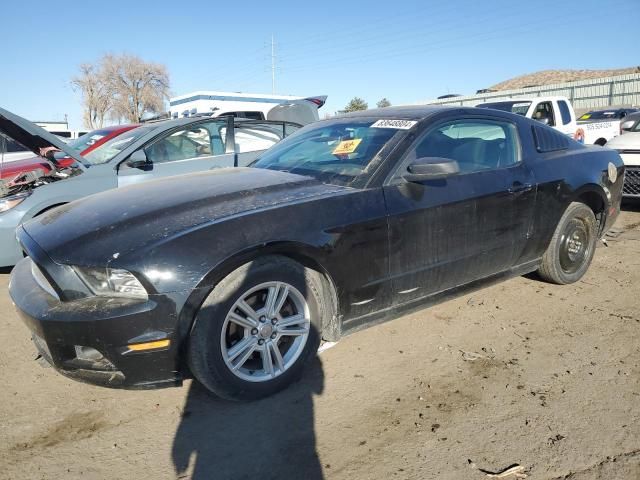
(305, 254)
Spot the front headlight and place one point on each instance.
(7, 203)
(112, 282)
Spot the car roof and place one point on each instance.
(408, 112)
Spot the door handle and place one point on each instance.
(519, 187)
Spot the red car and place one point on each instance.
(84, 144)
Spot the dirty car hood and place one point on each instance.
(32, 136)
(111, 225)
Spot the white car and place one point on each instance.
(628, 146)
(558, 113)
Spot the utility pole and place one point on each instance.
(273, 65)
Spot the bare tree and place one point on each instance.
(138, 87)
(96, 97)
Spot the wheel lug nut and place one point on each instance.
(274, 321)
(261, 342)
(254, 331)
(273, 335)
(263, 319)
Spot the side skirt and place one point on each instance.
(360, 323)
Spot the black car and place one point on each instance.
(236, 275)
(611, 114)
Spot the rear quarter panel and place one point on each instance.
(563, 177)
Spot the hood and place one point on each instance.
(95, 230)
(628, 141)
(32, 136)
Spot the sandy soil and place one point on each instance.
(523, 372)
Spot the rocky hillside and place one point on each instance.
(547, 77)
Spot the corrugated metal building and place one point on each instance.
(620, 91)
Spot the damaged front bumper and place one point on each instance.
(94, 339)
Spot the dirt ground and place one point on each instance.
(523, 372)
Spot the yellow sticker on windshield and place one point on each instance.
(347, 146)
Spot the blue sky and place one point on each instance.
(405, 51)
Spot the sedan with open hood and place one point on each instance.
(236, 275)
(149, 151)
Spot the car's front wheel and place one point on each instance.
(572, 246)
(257, 329)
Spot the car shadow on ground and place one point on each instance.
(269, 439)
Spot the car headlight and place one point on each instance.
(7, 203)
(112, 282)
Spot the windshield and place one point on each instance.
(88, 139)
(520, 108)
(111, 148)
(335, 151)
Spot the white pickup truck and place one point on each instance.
(558, 113)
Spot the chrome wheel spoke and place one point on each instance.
(277, 356)
(241, 346)
(242, 321)
(282, 297)
(249, 312)
(267, 361)
(292, 320)
(294, 332)
(245, 356)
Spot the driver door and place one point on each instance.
(451, 230)
(193, 148)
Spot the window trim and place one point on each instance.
(396, 177)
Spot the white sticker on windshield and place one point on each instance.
(398, 124)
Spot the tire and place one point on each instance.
(572, 246)
(242, 373)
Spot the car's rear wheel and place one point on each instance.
(257, 329)
(572, 246)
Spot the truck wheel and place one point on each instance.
(601, 141)
(257, 329)
(572, 246)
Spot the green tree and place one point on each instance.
(383, 103)
(356, 104)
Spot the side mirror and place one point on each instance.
(428, 168)
(138, 159)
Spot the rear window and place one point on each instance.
(519, 108)
(549, 140)
(564, 112)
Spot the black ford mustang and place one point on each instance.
(235, 276)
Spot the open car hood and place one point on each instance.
(32, 136)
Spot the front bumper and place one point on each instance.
(105, 325)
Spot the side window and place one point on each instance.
(544, 110)
(255, 136)
(199, 140)
(564, 112)
(475, 144)
(289, 128)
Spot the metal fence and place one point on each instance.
(621, 90)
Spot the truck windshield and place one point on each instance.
(520, 108)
